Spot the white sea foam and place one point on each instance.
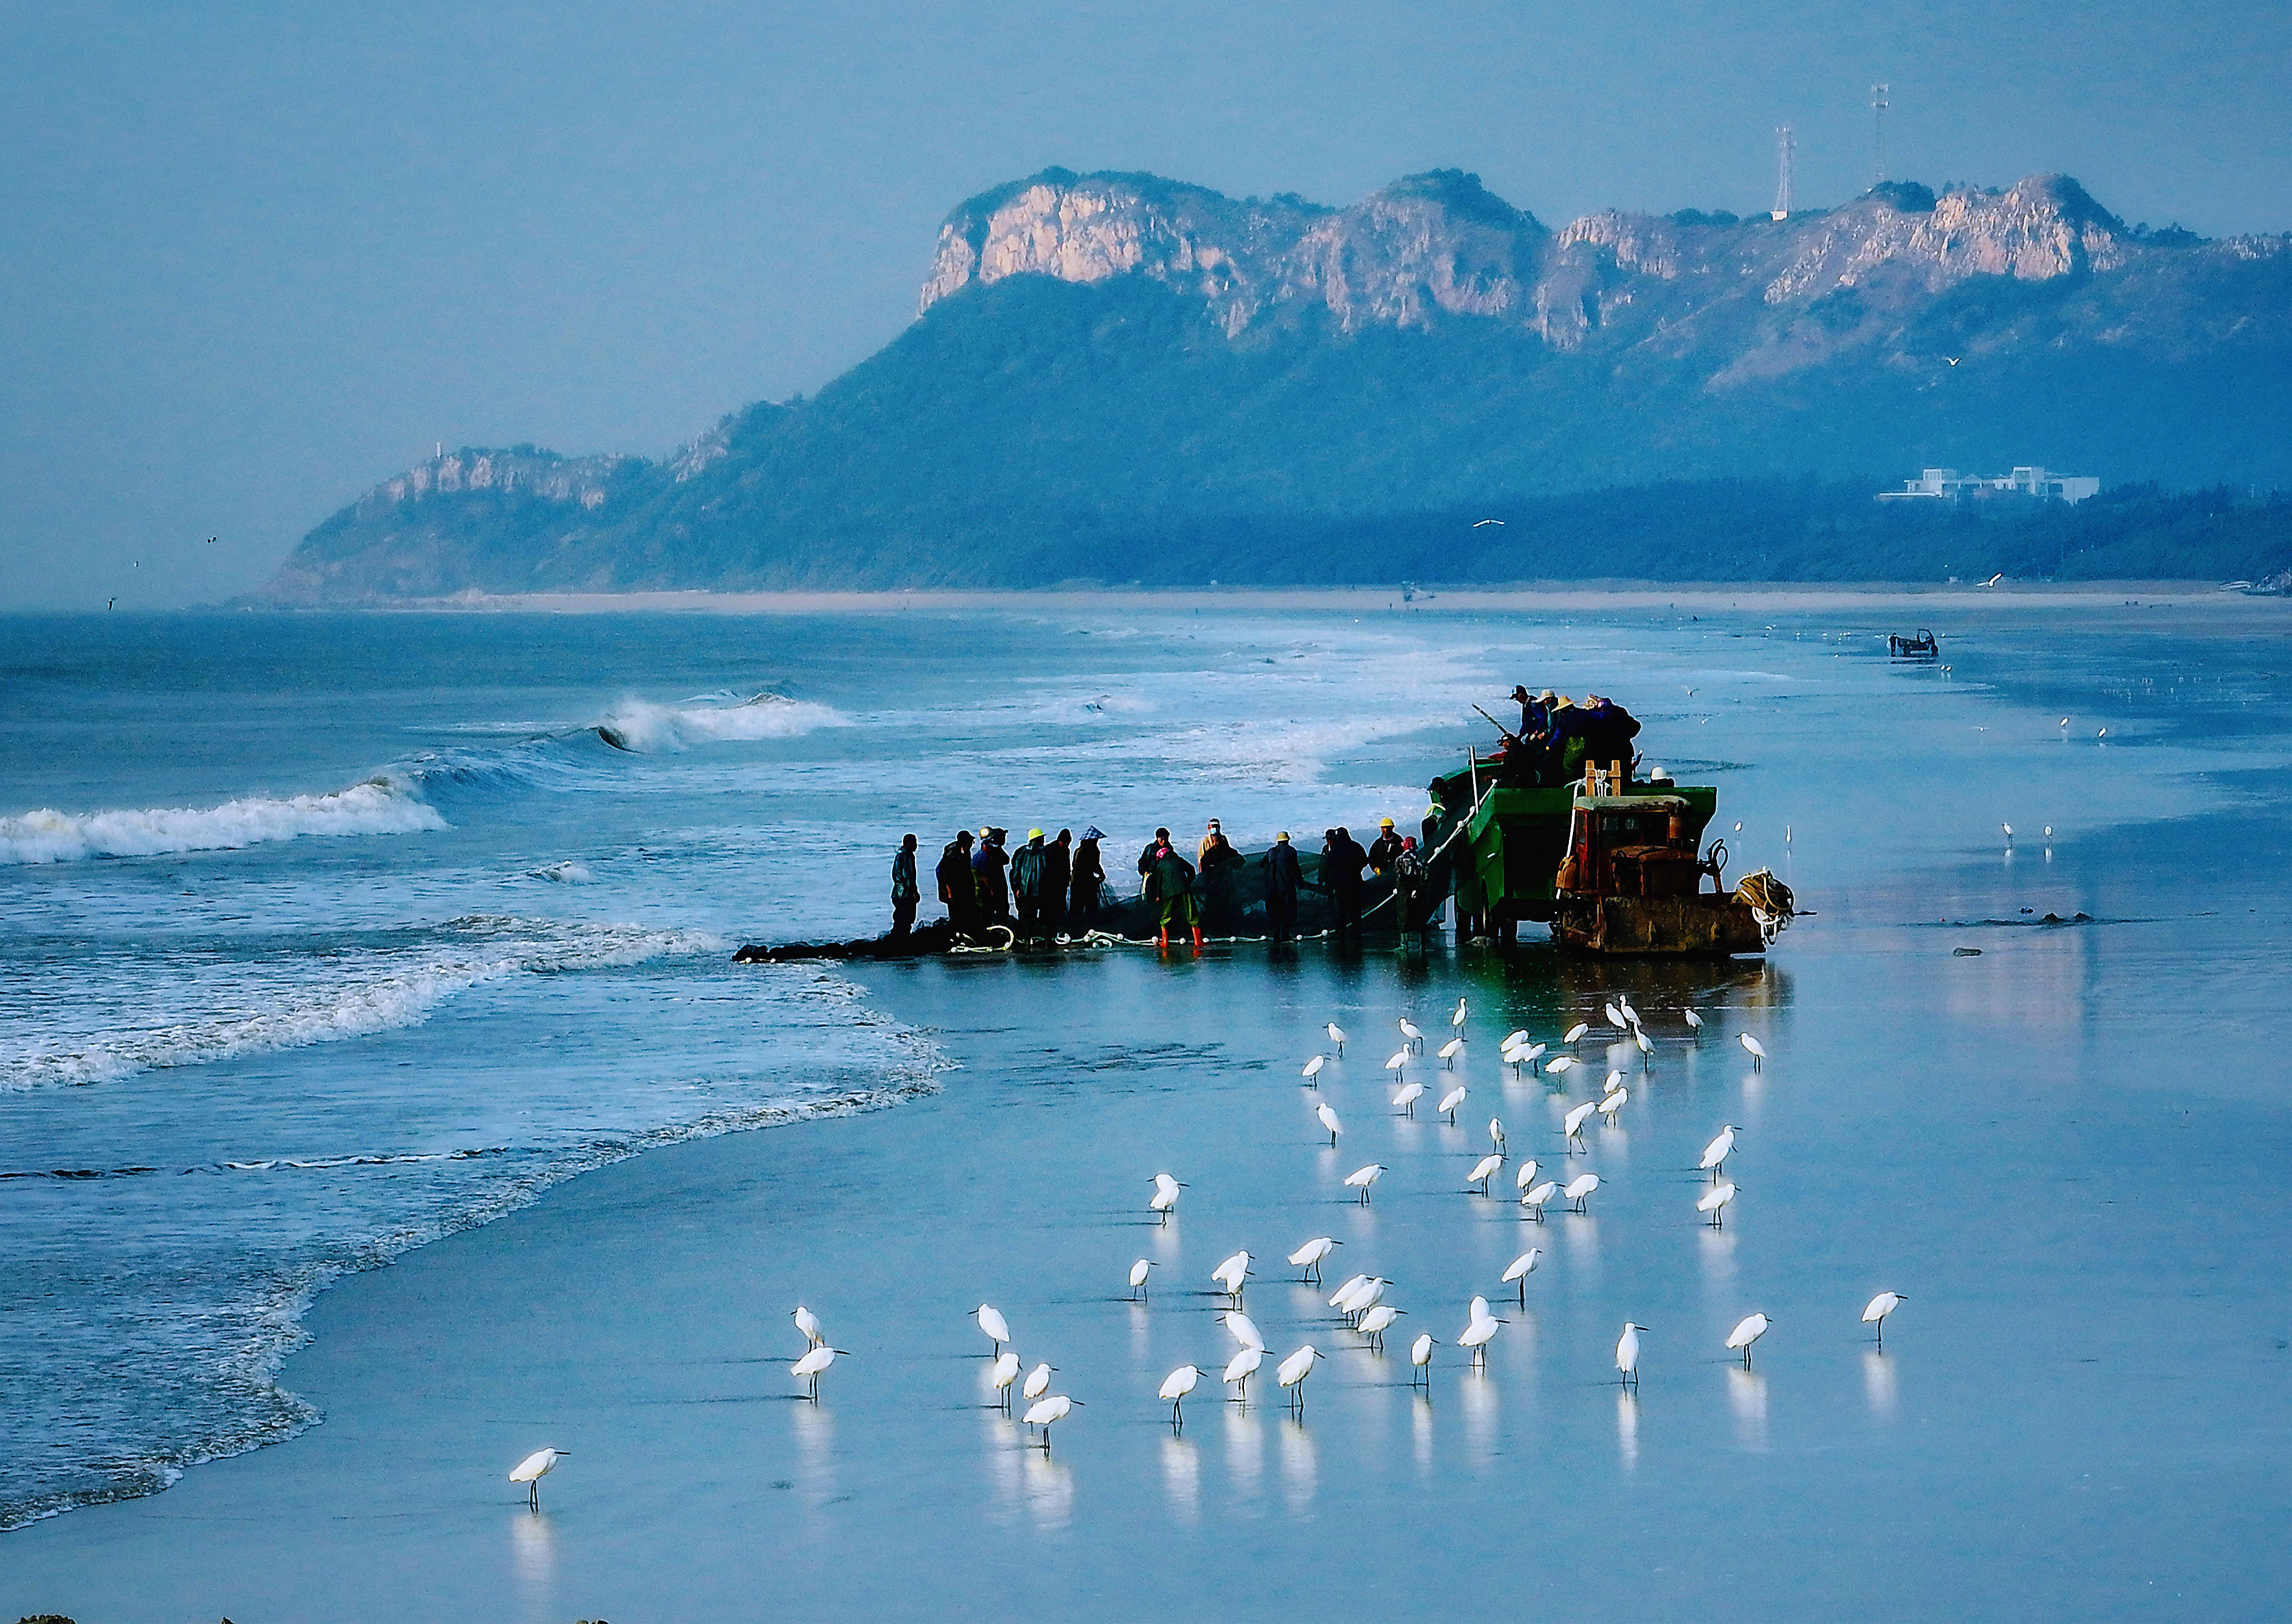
(345, 999)
(638, 724)
(377, 806)
(567, 873)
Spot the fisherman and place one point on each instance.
(1210, 836)
(1609, 730)
(1342, 862)
(1283, 875)
(1146, 857)
(987, 862)
(1027, 887)
(1221, 882)
(1408, 878)
(1384, 848)
(1058, 868)
(905, 893)
(1568, 743)
(1170, 881)
(1089, 879)
(956, 889)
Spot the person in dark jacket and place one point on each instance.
(1058, 869)
(1342, 862)
(1384, 848)
(905, 892)
(1089, 877)
(1408, 880)
(1221, 867)
(1170, 882)
(1027, 887)
(988, 860)
(956, 889)
(1283, 875)
(1146, 857)
(1609, 730)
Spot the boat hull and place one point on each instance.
(1707, 925)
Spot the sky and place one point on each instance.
(255, 259)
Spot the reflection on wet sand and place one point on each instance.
(1300, 1466)
(1245, 1450)
(1049, 1488)
(1878, 1383)
(1478, 1390)
(1747, 1396)
(815, 1450)
(1182, 1478)
(533, 1558)
(1628, 1427)
(1420, 1426)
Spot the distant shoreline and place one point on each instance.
(1693, 595)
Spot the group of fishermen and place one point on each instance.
(1557, 736)
(1055, 886)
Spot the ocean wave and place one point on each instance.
(567, 873)
(379, 806)
(646, 729)
(352, 1000)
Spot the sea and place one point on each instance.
(328, 937)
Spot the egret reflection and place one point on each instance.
(1300, 1466)
(1477, 1392)
(1049, 1489)
(533, 1557)
(1747, 1396)
(1420, 1424)
(1628, 1427)
(1878, 1383)
(1182, 1478)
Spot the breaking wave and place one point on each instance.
(377, 807)
(642, 726)
(391, 990)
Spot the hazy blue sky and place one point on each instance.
(254, 258)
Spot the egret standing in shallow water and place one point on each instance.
(991, 1321)
(1478, 1335)
(1527, 1174)
(1006, 1372)
(1458, 1018)
(1579, 1189)
(812, 1366)
(1244, 1330)
(1037, 1383)
(1532, 1200)
(1330, 1121)
(1398, 1064)
(1881, 1305)
(1484, 1170)
(1420, 1360)
(1572, 1127)
(1757, 1050)
(1166, 1196)
(1715, 1153)
(537, 1466)
(808, 1324)
(1231, 1275)
(1627, 1353)
(1045, 1412)
(1361, 1178)
(1240, 1368)
(1337, 1036)
(1450, 1050)
(1291, 1374)
(1175, 1385)
(1374, 1323)
(1313, 1070)
(1309, 1257)
(1739, 1339)
(1138, 1277)
(1694, 1025)
(1576, 1031)
(1496, 1134)
(1520, 1268)
(1450, 1101)
(1409, 1030)
(1714, 1204)
(1405, 1098)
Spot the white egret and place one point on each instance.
(1526, 1056)
(991, 1321)
(1576, 1031)
(1037, 1382)
(1614, 1080)
(1243, 1329)
(1641, 1042)
(1751, 1329)
(1496, 1134)
(1758, 1051)
(1404, 1097)
(1477, 1336)
(1559, 1063)
(1627, 1353)
(1624, 1003)
(1513, 1039)
(1458, 1018)
(1420, 1359)
(1374, 1322)
(1313, 1070)
(1337, 1036)
(1398, 1064)
(1165, 1197)
(1449, 1102)
(1450, 1050)
(1138, 1276)
(1572, 1125)
(1363, 1296)
(1338, 1298)
(1533, 1200)
(1695, 1024)
(1613, 1104)
(1520, 1268)
(1231, 1273)
(1361, 1178)
(1291, 1374)
(807, 1323)
(2008, 829)
(539, 1465)
(1615, 1016)
(813, 1365)
(1527, 1174)
(1045, 1412)
(1579, 1189)
(1309, 1256)
(1880, 1307)
(1409, 1030)
(1330, 1121)
(1175, 1385)
(1484, 1170)
(1477, 1310)
(1240, 1368)
(1715, 1153)
(1006, 1372)
(1714, 1204)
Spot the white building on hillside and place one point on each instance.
(1947, 485)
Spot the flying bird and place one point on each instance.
(537, 1466)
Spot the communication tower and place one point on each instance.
(1784, 144)
(1879, 134)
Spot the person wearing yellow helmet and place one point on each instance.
(1384, 848)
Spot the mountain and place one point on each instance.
(1116, 377)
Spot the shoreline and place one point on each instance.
(1528, 595)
